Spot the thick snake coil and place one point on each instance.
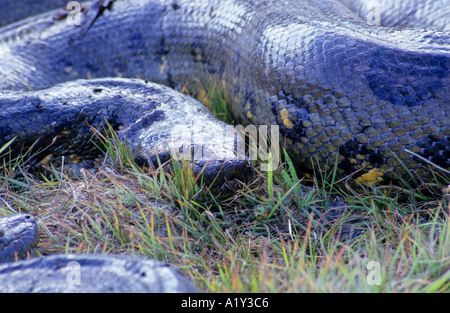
(340, 89)
(19, 236)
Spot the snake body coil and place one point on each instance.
(340, 89)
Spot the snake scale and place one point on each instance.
(339, 88)
(19, 236)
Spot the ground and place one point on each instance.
(275, 233)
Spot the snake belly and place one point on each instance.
(339, 89)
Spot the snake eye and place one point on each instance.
(2, 233)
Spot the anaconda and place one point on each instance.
(92, 273)
(62, 118)
(340, 89)
(19, 235)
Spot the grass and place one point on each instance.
(278, 233)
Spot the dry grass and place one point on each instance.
(279, 237)
(276, 233)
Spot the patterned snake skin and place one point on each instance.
(19, 235)
(340, 88)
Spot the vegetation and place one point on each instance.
(276, 233)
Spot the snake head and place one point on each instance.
(213, 149)
(19, 235)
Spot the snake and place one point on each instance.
(345, 81)
(19, 236)
(342, 88)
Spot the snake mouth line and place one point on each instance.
(211, 172)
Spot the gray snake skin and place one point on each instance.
(86, 273)
(19, 236)
(141, 112)
(339, 89)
